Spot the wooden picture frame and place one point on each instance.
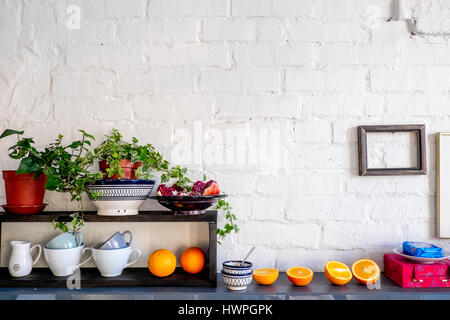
(442, 184)
(364, 170)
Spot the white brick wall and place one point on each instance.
(312, 69)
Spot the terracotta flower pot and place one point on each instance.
(129, 169)
(23, 190)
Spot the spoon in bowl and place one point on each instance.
(246, 257)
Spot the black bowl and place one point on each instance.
(187, 205)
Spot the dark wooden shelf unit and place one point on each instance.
(91, 216)
(131, 277)
(90, 277)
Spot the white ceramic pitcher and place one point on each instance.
(21, 262)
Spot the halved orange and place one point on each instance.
(300, 276)
(265, 276)
(366, 271)
(337, 273)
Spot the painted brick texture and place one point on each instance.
(287, 78)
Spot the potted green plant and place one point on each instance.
(130, 166)
(25, 187)
(124, 160)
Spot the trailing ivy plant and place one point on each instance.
(68, 172)
(230, 225)
(114, 148)
(76, 223)
(179, 174)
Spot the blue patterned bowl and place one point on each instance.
(237, 282)
(233, 267)
(248, 273)
(120, 197)
(116, 189)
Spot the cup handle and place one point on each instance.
(135, 260)
(131, 236)
(85, 261)
(78, 238)
(39, 253)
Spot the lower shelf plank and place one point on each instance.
(90, 277)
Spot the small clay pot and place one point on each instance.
(23, 190)
(129, 169)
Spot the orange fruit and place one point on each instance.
(265, 276)
(337, 273)
(162, 263)
(212, 190)
(193, 260)
(366, 271)
(300, 276)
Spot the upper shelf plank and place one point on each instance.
(91, 216)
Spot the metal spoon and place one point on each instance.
(248, 254)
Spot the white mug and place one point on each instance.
(64, 262)
(111, 263)
(21, 262)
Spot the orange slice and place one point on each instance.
(265, 276)
(300, 276)
(337, 273)
(366, 271)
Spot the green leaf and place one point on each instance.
(75, 144)
(61, 226)
(28, 165)
(9, 132)
(87, 135)
(53, 182)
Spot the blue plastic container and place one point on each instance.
(422, 249)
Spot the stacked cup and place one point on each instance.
(237, 275)
(63, 253)
(112, 256)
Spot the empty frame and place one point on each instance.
(419, 153)
(443, 185)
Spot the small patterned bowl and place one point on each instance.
(238, 282)
(248, 273)
(120, 197)
(233, 267)
(117, 190)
